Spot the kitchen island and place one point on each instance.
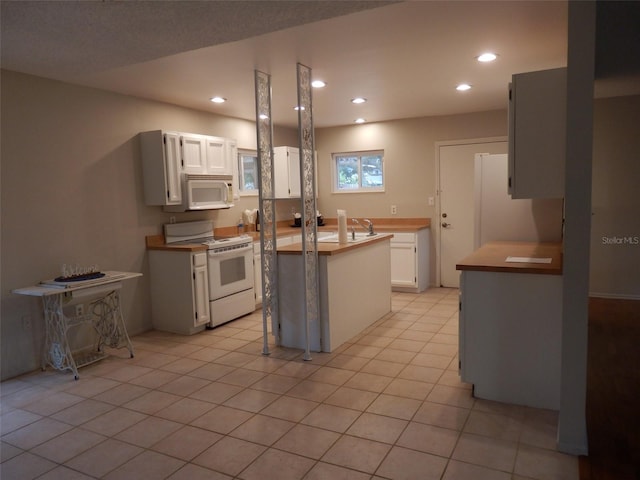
(511, 322)
(354, 291)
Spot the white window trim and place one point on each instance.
(359, 153)
(245, 193)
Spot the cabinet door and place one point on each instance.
(537, 134)
(403, 264)
(200, 289)
(257, 276)
(286, 172)
(231, 154)
(194, 155)
(281, 172)
(294, 172)
(218, 162)
(172, 168)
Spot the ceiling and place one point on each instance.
(405, 57)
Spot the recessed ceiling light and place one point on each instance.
(318, 84)
(359, 120)
(298, 107)
(218, 99)
(463, 87)
(358, 100)
(487, 57)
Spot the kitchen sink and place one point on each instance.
(360, 236)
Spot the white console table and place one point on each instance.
(103, 298)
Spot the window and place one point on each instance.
(358, 171)
(248, 172)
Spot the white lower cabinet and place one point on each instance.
(410, 261)
(510, 337)
(179, 291)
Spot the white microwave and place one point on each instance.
(204, 192)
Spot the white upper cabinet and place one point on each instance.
(230, 159)
(537, 134)
(161, 165)
(286, 172)
(194, 153)
(167, 155)
(220, 156)
(207, 155)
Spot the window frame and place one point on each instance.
(360, 188)
(243, 152)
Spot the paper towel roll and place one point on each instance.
(342, 226)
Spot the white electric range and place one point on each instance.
(229, 267)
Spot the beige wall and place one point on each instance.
(409, 164)
(409, 156)
(615, 267)
(72, 193)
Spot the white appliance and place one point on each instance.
(229, 267)
(204, 192)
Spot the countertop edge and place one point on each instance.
(491, 258)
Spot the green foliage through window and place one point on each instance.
(248, 172)
(358, 171)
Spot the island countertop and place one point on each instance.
(492, 257)
(331, 248)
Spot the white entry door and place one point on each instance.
(457, 204)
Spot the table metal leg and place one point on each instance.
(56, 346)
(109, 323)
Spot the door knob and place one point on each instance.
(445, 224)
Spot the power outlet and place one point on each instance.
(79, 310)
(394, 210)
(26, 322)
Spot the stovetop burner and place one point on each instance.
(200, 232)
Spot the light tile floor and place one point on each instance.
(388, 404)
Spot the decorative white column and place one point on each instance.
(308, 194)
(267, 210)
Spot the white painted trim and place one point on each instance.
(436, 231)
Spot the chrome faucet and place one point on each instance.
(368, 227)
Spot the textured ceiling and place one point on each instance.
(404, 57)
(57, 39)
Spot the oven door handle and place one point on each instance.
(230, 253)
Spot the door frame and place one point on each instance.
(449, 143)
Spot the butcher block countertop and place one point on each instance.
(330, 248)
(492, 257)
(380, 225)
